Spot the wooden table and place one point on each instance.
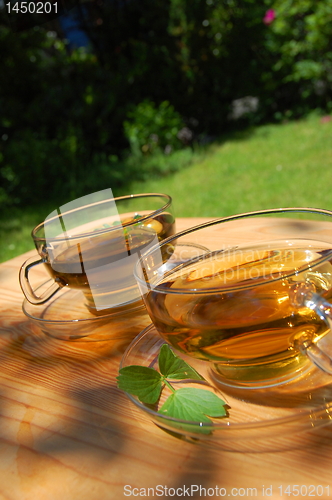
(67, 432)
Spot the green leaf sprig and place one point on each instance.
(126, 230)
(187, 403)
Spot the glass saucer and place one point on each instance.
(66, 316)
(258, 420)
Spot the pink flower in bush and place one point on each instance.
(269, 16)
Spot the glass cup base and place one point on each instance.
(261, 376)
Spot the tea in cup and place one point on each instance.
(256, 304)
(93, 243)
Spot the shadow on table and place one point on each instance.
(66, 414)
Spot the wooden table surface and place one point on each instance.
(68, 433)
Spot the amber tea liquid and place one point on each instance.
(241, 316)
(102, 264)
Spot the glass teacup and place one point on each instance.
(255, 304)
(93, 243)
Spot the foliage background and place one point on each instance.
(157, 76)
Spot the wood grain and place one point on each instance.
(68, 433)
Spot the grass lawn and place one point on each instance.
(269, 166)
(15, 231)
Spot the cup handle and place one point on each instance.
(26, 287)
(303, 294)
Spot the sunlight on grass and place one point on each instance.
(266, 167)
(271, 166)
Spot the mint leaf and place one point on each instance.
(141, 381)
(173, 367)
(186, 404)
(194, 405)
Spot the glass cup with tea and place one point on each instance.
(256, 304)
(93, 243)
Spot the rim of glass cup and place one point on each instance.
(213, 222)
(106, 230)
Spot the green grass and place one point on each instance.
(269, 166)
(15, 232)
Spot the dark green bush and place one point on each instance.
(150, 128)
(300, 41)
(73, 121)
